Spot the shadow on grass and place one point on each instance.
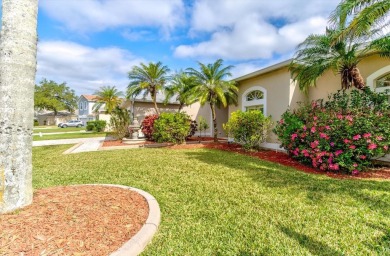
(316, 187)
(314, 246)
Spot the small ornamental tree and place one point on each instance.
(248, 128)
(147, 126)
(120, 121)
(203, 126)
(172, 127)
(342, 134)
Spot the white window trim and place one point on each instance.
(263, 101)
(377, 74)
(81, 106)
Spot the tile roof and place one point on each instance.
(89, 97)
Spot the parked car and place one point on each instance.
(72, 123)
(60, 124)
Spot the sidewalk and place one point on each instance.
(82, 144)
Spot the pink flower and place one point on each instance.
(305, 153)
(314, 144)
(340, 116)
(356, 137)
(362, 157)
(352, 147)
(327, 127)
(355, 165)
(355, 172)
(379, 138)
(313, 129)
(294, 136)
(338, 152)
(323, 135)
(367, 135)
(372, 146)
(304, 128)
(281, 121)
(332, 144)
(334, 167)
(346, 141)
(315, 118)
(349, 118)
(385, 147)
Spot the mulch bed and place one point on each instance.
(269, 155)
(73, 220)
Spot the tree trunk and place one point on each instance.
(154, 97)
(357, 78)
(214, 122)
(18, 48)
(180, 107)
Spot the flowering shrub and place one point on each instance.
(172, 127)
(248, 128)
(147, 126)
(344, 133)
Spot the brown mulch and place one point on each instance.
(73, 220)
(270, 155)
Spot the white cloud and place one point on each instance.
(92, 15)
(85, 69)
(253, 38)
(253, 29)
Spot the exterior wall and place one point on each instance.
(142, 109)
(331, 82)
(81, 106)
(278, 98)
(50, 120)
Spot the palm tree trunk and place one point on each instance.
(357, 78)
(214, 122)
(154, 97)
(17, 78)
(180, 107)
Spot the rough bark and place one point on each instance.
(214, 122)
(17, 78)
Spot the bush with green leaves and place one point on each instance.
(203, 125)
(171, 127)
(343, 134)
(120, 121)
(96, 126)
(248, 128)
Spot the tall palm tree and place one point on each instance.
(148, 79)
(17, 79)
(211, 87)
(342, 54)
(108, 96)
(181, 85)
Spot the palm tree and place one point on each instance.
(361, 17)
(108, 96)
(148, 79)
(319, 53)
(181, 85)
(17, 79)
(212, 88)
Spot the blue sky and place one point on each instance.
(93, 43)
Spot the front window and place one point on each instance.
(383, 81)
(254, 99)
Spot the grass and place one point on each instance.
(69, 136)
(220, 203)
(56, 129)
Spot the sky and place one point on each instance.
(93, 43)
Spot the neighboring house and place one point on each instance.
(141, 107)
(273, 91)
(86, 108)
(48, 118)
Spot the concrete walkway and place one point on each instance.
(83, 144)
(52, 133)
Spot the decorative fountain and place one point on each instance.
(136, 135)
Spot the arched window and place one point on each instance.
(255, 99)
(383, 81)
(379, 80)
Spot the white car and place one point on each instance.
(72, 123)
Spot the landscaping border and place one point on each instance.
(139, 241)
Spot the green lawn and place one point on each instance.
(69, 136)
(221, 203)
(56, 129)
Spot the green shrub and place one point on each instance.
(97, 125)
(172, 127)
(342, 134)
(36, 123)
(120, 121)
(248, 128)
(203, 126)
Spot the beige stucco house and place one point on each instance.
(273, 91)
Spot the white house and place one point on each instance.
(86, 108)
